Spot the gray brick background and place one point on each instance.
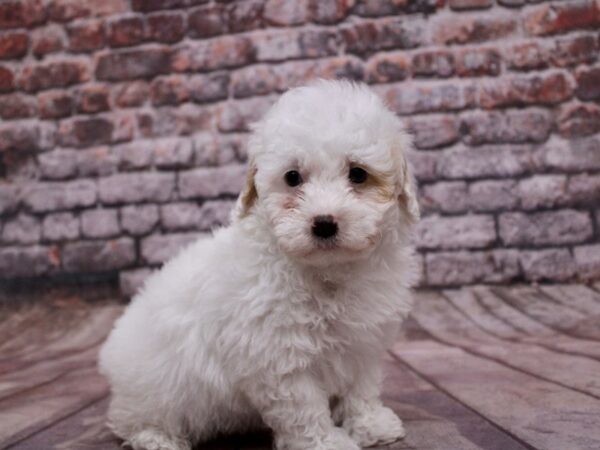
(123, 125)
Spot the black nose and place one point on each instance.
(324, 227)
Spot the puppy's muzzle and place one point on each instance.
(324, 227)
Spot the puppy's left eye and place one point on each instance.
(357, 175)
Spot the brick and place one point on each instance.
(139, 219)
(587, 261)
(47, 40)
(130, 94)
(183, 120)
(159, 248)
(487, 160)
(472, 28)
(516, 126)
(155, 5)
(169, 90)
(180, 216)
(53, 196)
(173, 153)
(478, 62)
(130, 64)
(135, 155)
(257, 79)
(100, 223)
(17, 106)
(9, 198)
(210, 150)
(575, 155)
(215, 213)
(58, 164)
(66, 10)
(561, 17)
(86, 36)
(276, 45)
(226, 51)
(548, 88)
(97, 161)
(578, 119)
(432, 63)
(23, 229)
(7, 79)
(86, 132)
(588, 83)
(584, 189)
(545, 228)
(463, 267)
(316, 43)
(282, 12)
(429, 96)
(209, 88)
(381, 34)
(388, 67)
(137, 187)
(237, 116)
(92, 99)
(60, 227)
(125, 31)
(55, 104)
(124, 126)
(211, 182)
(469, 4)
(37, 77)
(131, 281)
(167, 28)
(433, 131)
(377, 8)
(20, 137)
(546, 265)
(207, 20)
(245, 16)
(98, 256)
(570, 51)
(473, 231)
(27, 261)
(13, 45)
(21, 13)
(444, 196)
(424, 165)
(542, 191)
(330, 11)
(492, 195)
(526, 55)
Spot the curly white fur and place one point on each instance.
(263, 324)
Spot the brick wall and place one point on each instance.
(124, 122)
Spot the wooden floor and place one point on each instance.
(477, 368)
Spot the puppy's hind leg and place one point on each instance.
(154, 439)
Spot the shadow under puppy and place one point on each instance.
(291, 305)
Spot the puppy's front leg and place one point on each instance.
(363, 415)
(297, 410)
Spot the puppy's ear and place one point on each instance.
(407, 198)
(249, 195)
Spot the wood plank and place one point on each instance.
(542, 414)
(532, 330)
(23, 415)
(539, 307)
(447, 324)
(577, 296)
(433, 420)
(71, 333)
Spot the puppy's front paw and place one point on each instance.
(378, 426)
(338, 439)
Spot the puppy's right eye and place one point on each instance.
(293, 178)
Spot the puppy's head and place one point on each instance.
(328, 172)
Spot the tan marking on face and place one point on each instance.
(290, 203)
(249, 195)
(379, 183)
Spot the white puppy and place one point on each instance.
(282, 318)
